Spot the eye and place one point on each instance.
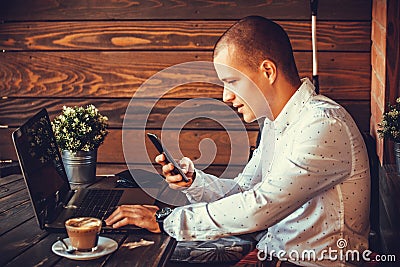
(231, 81)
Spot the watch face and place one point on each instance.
(162, 213)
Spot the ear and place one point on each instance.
(269, 70)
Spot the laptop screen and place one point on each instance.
(41, 165)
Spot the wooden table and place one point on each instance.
(22, 243)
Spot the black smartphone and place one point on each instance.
(169, 159)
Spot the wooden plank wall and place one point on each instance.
(71, 52)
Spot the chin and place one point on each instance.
(248, 119)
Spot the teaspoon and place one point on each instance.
(67, 249)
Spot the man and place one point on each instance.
(307, 182)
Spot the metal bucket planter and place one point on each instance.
(80, 166)
(397, 156)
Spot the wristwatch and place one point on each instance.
(161, 214)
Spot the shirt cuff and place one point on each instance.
(192, 223)
(196, 190)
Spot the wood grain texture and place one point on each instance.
(168, 35)
(21, 238)
(27, 245)
(102, 261)
(111, 151)
(124, 256)
(393, 51)
(10, 187)
(186, 9)
(39, 253)
(18, 198)
(190, 145)
(215, 145)
(14, 112)
(343, 75)
(73, 52)
(200, 113)
(15, 216)
(190, 141)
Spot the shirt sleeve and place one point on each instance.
(318, 159)
(208, 188)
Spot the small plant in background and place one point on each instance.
(389, 127)
(80, 128)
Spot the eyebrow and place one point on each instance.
(228, 79)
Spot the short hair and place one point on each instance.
(255, 39)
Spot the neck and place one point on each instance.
(283, 92)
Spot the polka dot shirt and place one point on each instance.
(308, 183)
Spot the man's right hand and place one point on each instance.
(175, 181)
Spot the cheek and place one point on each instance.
(247, 91)
(253, 98)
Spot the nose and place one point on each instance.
(227, 95)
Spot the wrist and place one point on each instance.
(161, 215)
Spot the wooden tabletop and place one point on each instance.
(22, 243)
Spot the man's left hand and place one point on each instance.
(140, 215)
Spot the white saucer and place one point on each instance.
(105, 246)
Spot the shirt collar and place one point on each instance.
(290, 112)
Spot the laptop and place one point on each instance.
(51, 195)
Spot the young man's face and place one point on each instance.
(241, 85)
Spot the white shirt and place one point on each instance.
(307, 182)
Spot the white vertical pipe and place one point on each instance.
(314, 45)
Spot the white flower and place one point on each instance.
(80, 128)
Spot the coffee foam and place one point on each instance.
(84, 222)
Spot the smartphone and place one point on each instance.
(169, 159)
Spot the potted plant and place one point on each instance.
(79, 131)
(389, 128)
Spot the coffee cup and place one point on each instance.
(83, 233)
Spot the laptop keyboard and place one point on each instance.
(98, 203)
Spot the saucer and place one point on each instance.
(105, 246)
